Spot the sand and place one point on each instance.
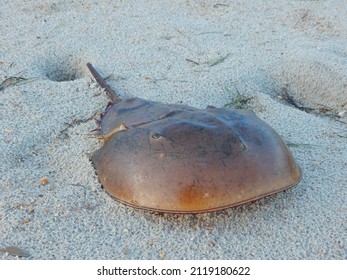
(192, 52)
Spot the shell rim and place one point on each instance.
(209, 210)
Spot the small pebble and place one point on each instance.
(26, 220)
(44, 181)
(8, 131)
(162, 255)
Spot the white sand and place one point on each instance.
(297, 45)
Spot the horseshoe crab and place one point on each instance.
(181, 159)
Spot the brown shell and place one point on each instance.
(180, 159)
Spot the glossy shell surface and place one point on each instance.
(181, 159)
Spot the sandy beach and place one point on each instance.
(288, 57)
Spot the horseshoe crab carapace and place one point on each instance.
(181, 159)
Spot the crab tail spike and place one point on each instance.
(112, 95)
